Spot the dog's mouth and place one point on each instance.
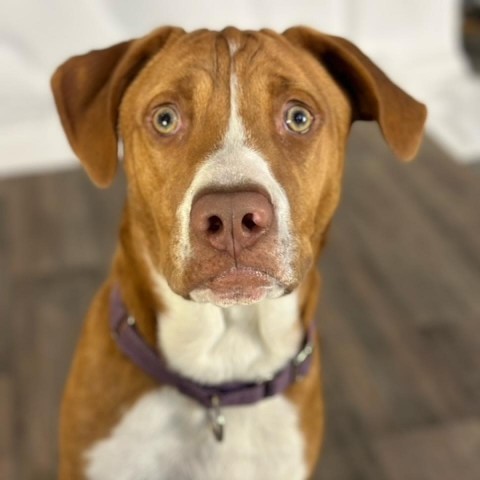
(238, 286)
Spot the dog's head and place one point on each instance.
(233, 147)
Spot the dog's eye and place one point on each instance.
(166, 120)
(298, 119)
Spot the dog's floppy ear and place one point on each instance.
(88, 90)
(373, 95)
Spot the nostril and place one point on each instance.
(248, 222)
(215, 224)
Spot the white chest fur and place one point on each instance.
(167, 436)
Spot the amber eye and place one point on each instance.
(166, 120)
(298, 119)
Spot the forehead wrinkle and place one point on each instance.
(188, 87)
(280, 79)
(280, 84)
(250, 47)
(222, 59)
(196, 51)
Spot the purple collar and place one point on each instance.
(132, 344)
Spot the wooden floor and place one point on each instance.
(400, 315)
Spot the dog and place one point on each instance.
(199, 358)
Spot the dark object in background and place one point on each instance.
(471, 32)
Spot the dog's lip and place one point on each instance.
(243, 285)
(239, 277)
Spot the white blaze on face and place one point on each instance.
(234, 164)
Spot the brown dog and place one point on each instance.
(233, 150)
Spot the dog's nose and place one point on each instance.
(231, 221)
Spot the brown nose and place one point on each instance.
(231, 221)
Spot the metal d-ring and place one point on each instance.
(306, 351)
(217, 420)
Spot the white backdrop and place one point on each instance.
(416, 42)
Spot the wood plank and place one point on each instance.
(45, 329)
(377, 275)
(448, 451)
(58, 234)
(60, 221)
(7, 457)
(348, 453)
(396, 283)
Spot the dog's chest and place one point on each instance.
(165, 436)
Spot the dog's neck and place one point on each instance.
(214, 345)
(204, 342)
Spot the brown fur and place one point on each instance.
(120, 86)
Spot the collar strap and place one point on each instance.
(133, 345)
